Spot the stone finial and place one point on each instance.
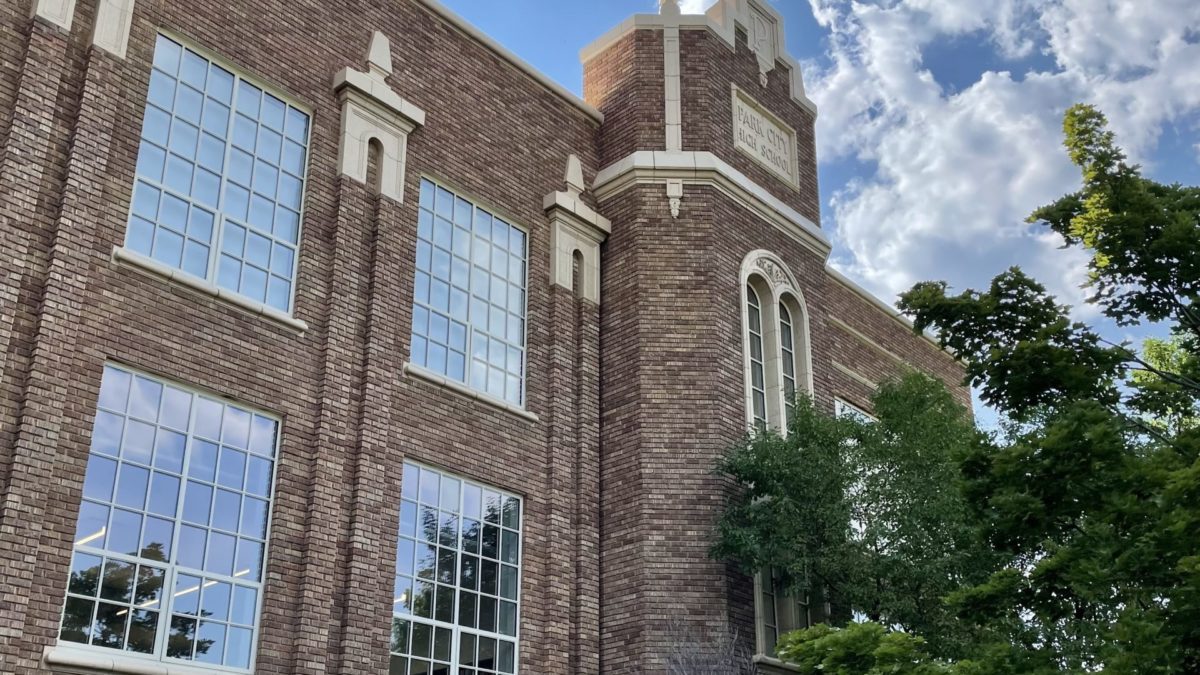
(669, 7)
(574, 177)
(372, 111)
(379, 55)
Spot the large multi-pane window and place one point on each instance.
(758, 384)
(220, 177)
(456, 606)
(469, 314)
(172, 529)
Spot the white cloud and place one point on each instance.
(953, 174)
(695, 6)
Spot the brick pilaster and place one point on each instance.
(329, 495)
(53, 245)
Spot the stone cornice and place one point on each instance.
(705, 168)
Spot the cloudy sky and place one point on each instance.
(940, 120)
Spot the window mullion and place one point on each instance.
(219, 218)
(172, 560)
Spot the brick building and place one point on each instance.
(312, 362)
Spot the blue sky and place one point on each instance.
(940, 120)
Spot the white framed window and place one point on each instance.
(776, 345)
(787, 349)
(456, 605)
(172, 531)
(758, 371)
(220, 177)
(781, 611)
(469, 309)
(843, 408)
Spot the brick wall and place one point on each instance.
(633, 400)
(626, 84)
(350, 417)
(709, 66)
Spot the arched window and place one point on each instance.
(787, 349)
(777, 368)
(758, 370)
(776, 342)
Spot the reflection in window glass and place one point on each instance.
(172, 529)
(469, 309)
(458, 570)
(782, 611)
(788, 353)
(758, 380)
(842, 408)
(220, 177)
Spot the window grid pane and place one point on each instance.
(470, 295)
(770, 615)
(176, 497)
(758, 385)
(788, 353)
(220, 178)
(457, 591)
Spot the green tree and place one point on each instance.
(865, 511)
(1093, 497)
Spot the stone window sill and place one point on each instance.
(770, 664)
(460, 388)
(68, 659)
(127, 257)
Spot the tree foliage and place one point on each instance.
(865, 512)
(1094, 495)
(1085, 510)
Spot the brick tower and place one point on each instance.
(710, 180)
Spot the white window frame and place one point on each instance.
(786, 611)
(757, 339)
(477, 206)
(215, 245)
(843, 408)
(774, 285)
(172, 569)
(453, 625)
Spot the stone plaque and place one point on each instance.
(762, 38)
(764, 137)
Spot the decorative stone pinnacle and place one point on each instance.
(379, 55)
(574, 177)
(669, 7)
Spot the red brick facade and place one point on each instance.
(631, 400)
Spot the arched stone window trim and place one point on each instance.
(769, 278)
(784, 322)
